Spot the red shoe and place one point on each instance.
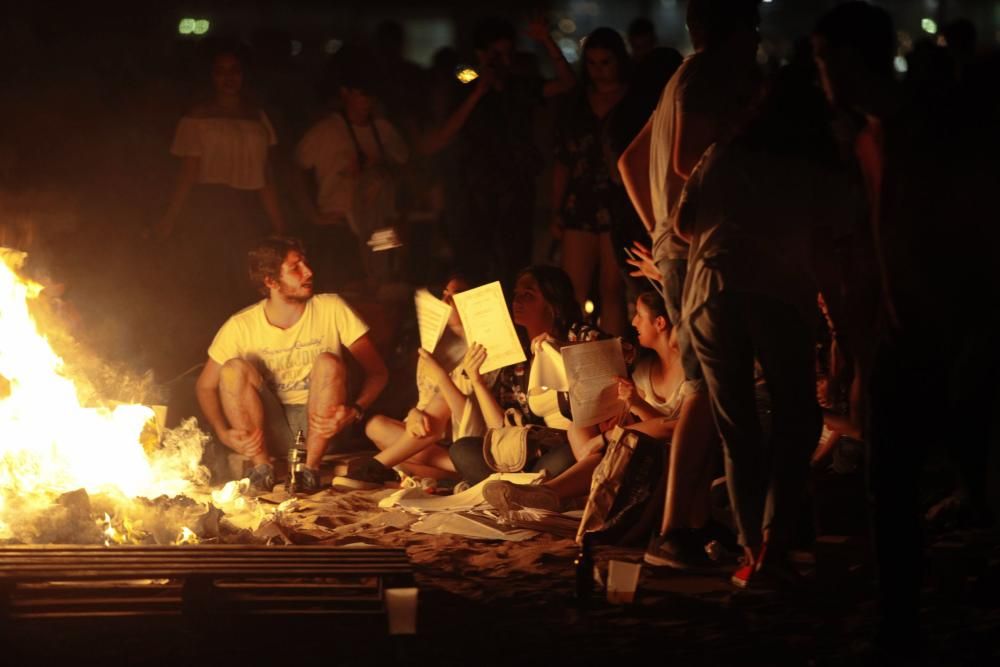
(745, 573)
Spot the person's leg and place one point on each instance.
(327, 393)
(575, 481)
(695, 440)
(467, 456)
(384, 431)
(786, 353)
(432, 462)
(580, 252)
(406, 445)
(239, 383)
(611, 288)
(724, 348)
(692, 449)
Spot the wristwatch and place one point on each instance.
(359, 412)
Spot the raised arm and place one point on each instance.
(492, 412)
(438, 139)
(538, 30)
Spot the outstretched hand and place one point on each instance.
(642, 260)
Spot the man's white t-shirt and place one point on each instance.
(328, 149)
(285, 357)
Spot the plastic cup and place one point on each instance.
(401, 607)
(623, 577)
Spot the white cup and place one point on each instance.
(623, 577)
(401, 607)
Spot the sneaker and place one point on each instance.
(680, 550)
(308, 481)
(261, 479)
(507, 496)
(366, 474)
(746, 575)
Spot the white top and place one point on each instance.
(706, 85)
(668, 406)
(232, 151)
(327, 147)
(285, 357)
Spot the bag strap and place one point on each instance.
(362, 157)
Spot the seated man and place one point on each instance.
(276, 367)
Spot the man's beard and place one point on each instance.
(293, 295)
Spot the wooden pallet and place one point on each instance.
(68, 581)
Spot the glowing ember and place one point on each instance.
(53, 440)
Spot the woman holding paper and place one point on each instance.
(416, 442)
(544, 309)
(653, 396)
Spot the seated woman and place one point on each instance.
(416, 444)
(653, 397)
(544, 307)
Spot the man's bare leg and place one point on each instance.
(327, 395)
(239, 384)
(691, 449)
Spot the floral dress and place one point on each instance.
(592, 195)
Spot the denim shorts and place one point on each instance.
(674, 272)
(281, 422)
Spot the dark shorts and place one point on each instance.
(281, 422)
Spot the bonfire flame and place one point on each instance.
(51, 443)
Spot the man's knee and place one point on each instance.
(329, 364)
(237, 373)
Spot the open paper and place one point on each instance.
(432, 318)
(487, 321)
(592, 369)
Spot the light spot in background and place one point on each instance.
(929, 26)
(900, 64)
(296, 47)
(466, 74)
(588, 306)
(568, 48)
(186, 26)
(201, 26)
(331, 46)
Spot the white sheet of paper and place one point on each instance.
(432, 318)
(487, 321)
(591, 369)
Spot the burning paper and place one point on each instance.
(67, 455)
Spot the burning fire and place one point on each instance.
(55, 439)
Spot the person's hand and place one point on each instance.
(474, 358)
(328, 426)
(432, 368)
(418, 423)
(484, 82)
(536, 342)
(627, 391)
(247, 443)
(538, 28)
(642, 261)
